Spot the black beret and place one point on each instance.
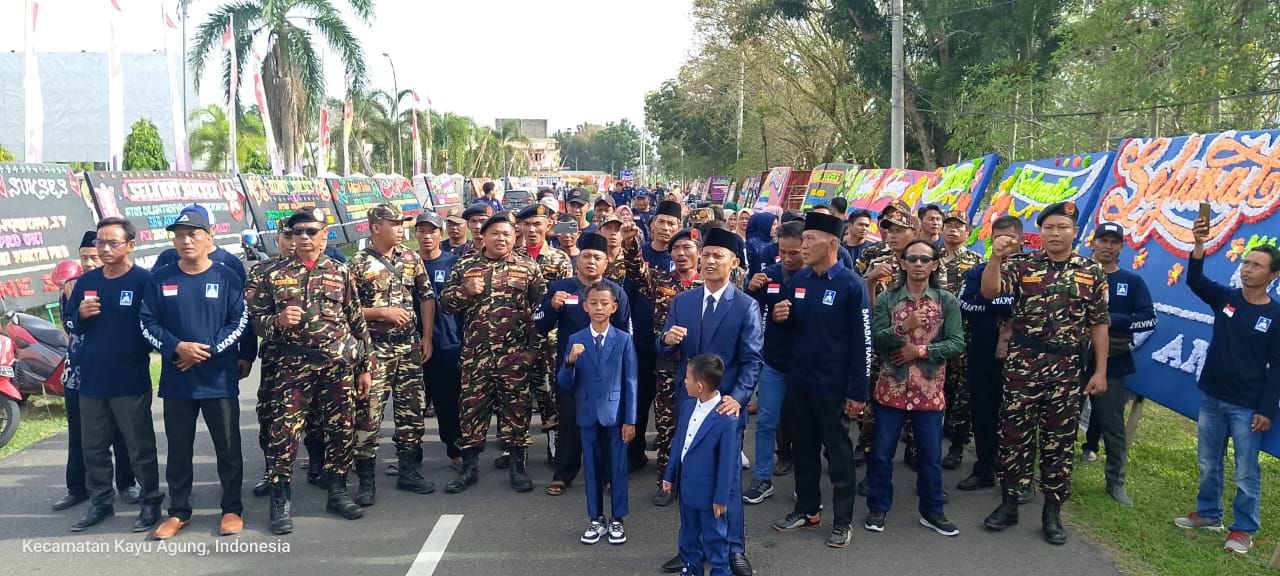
(669, 208)
(722, 238)
(498, 218)
(534, 211)
(87, 240)
(593, 241)
(304, 215)
(1067, 209)
(822, 222)
(686, 234)
(477, 209)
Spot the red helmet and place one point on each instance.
(65, 271)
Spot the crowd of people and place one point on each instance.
(614, 314)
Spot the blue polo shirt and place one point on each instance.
(206, 308)
(572, 317)
(831, 321)
(777, 336)
(115, 358)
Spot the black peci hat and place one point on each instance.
(593, 241)
(822, 222)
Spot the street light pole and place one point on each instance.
(395, 111)
(897, 124)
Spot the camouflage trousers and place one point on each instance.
(267, 409)
(664, 417)
(397, 375)
(1041, 395)
(956, 425)
(303, 387)
(503, 388)
(866, 421)
(542, 381)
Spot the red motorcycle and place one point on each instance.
(33, 355)
(10, 413)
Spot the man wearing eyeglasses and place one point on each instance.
(115, 375)
(307, 305)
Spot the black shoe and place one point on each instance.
(131, 495)
(518, 474)
(864, 489)
(263, 487)
(874, 522)
(68, 500)
(1052, 524)
(93, 515)
(366, 490)
(674, 565)
(1025, 495)
(148, 517)
(976, 481)
(467, 475)
(1005, 515)
(503, 461)
(281, 521)
(739, 565)
(859, 458)
(340, 502)
(410, 478)
(953, 458)
(637, 464)
(782, 466)
(939, 523)
(665, 499)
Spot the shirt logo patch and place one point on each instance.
(1263, 325)
(284, 282)
(210, 290)
(671, 267)
(829, 297)
(1122, 289)
(169, 289)
(1229, 310)
(440, 276)
(774, 288)
(800, 293)
(571, 300)
(126, 297)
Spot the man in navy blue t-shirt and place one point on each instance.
(442, 373)
(1239, 385)
(115, 375)
(194, 315)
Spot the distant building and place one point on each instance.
(532, 129)
(543, 152)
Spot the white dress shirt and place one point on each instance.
(700, 413)
(716, 295)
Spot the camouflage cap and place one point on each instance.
(389, 212)
(611, 219)
(455, 216)
(895, 206)
(956, 215)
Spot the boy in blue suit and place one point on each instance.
(600, 372)
(704, 464)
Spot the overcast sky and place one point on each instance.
(569, 61)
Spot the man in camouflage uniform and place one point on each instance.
(880, 249)
(611, 228)
(660, 286)
(390, 279)
(307, 307)
(495, 292)
(535, 220)
(1060, 304)
(270, 357)
(956, 262)
(475, 215)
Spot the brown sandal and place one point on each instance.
(556, 488)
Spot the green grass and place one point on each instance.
(1162, 480)
(44, 416)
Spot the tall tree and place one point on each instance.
(295, 31)
(143, 148)
(209, 140)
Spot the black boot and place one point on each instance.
(519, 475)
(410, 478)
(1004, 516)
(339, 501)
(315, 472)
(467, 475)
(953, 458)
(366, 491)
(263, 487)
(1053, 532)
(281, 522)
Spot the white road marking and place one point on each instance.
(433, 549)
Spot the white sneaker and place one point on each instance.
(594, 532)
(617, 534)
(551, 444)
(746, 463)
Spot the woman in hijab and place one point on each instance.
(759, 233)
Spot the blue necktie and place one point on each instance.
(707, 314)
(600, 343)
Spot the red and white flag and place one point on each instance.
(32, 96)
(324, 140)
(115, 88)
(229, 46)
(181, 156)
(169, 289)
(417, 144)
(348, 114)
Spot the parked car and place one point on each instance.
(517, 198)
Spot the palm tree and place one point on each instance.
(295, 31)
(209, 141)
(514, 146)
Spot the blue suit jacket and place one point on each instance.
(603, 383)
(736, 337)
(712, 466)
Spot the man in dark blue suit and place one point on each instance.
(722, 320)
(600, 373)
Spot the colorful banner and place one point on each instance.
(824, 181)
(774, 188)
(152, 200)
(1154, 192)
(448, 189)
(1027, 187)
(960, 186)
(42, 218)
(874, 189)
(33, 99)
(354, 196)
(718, 188)
(274, 197)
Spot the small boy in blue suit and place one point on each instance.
(705, 463)
(600, 372)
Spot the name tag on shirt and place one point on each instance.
(126, 297)
(210, 290)
(571, 300)
(774, 289)
(169, 289)
(829, 297)
(1122, 289)
(1263, 325)
(800, 293)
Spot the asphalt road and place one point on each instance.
(487, 530)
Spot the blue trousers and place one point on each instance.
(1218, 421)
(703, 537)
(604, 452)
(928, 430)
(736, 515)
(771, 389)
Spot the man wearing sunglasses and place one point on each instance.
(307, 305)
